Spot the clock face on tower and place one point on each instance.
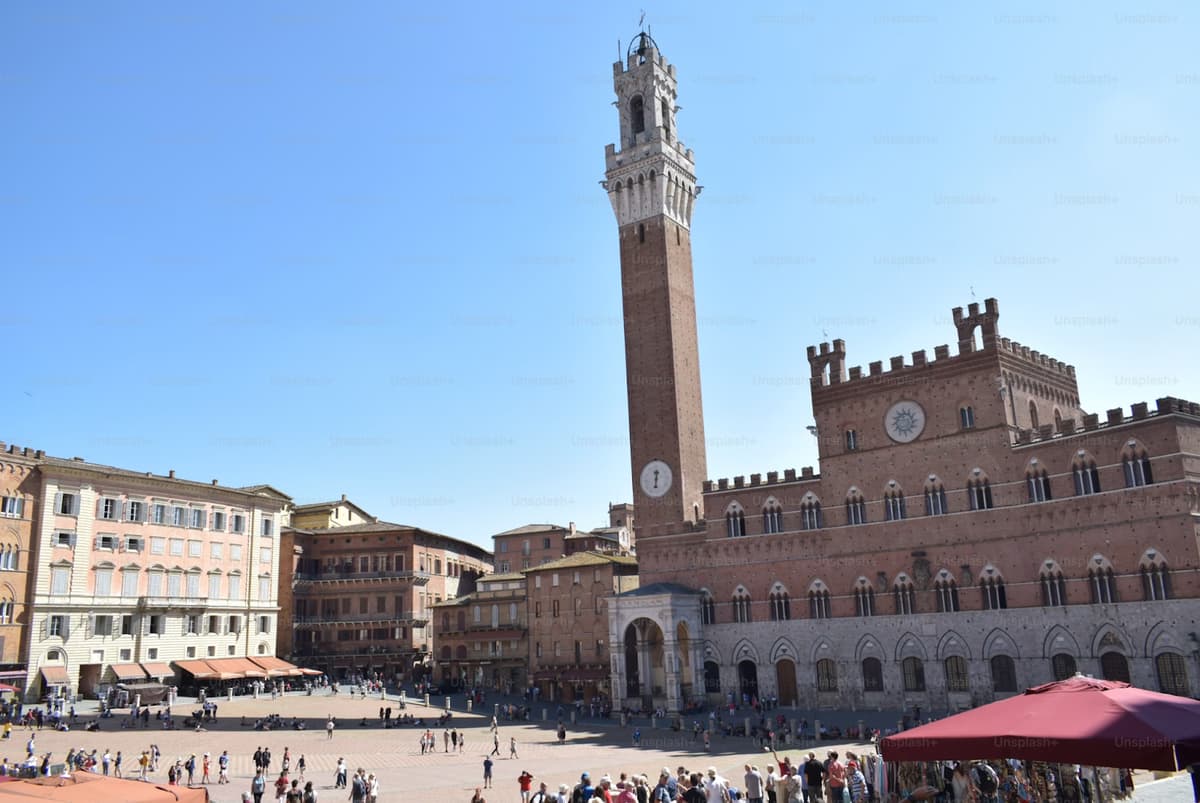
(904, 422)
(656, 479)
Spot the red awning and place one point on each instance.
(276, 667)
(55, 675)
(1080, 720)
(198, 669)
(156, 669)
(237, 667)
(128, 672)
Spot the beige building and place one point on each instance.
(324, 515)
(135, 572)
(482, 638)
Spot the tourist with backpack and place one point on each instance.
(986, 781)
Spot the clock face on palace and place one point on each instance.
(904, 421)
(656, 479)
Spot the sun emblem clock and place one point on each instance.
(904, 422)
(656, 479)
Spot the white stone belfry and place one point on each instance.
(651, 173)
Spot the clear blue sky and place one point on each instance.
(360, 248)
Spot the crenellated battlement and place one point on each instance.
(1036, 357)
(827, 361)
(807, 474)
(1112, 418)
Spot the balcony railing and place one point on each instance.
(172, 602)
(336, 649)
(342, 576)
(333, 620)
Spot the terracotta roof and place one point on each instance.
(584, 559)
(529, 529)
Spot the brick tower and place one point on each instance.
(651, 182)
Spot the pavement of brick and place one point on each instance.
(597, 747)
(394, 754)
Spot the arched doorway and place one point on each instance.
(785, 681)
(748, 679)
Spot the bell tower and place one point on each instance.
(650, 179)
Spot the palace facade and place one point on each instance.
(973, 530)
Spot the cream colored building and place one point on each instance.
(136, 572)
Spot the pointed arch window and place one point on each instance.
(708, 610)
(741, 607)
(1102, 582)
(826, 675)
(905, 596)
(781, 605)
(935, 497)
(957, 677)
(1037, 481)
(1086, 475)
(810, 515)
(979, 491)
(914, 674)
(893, 502)
(772, 518)
(856, 508)
(818, 603)
(991, 586)
(966, 417)
(1054, 587)
(864, 598)
(1172, 674)
(1062, 665)
(1136, 466)
(1004, 673)
(946, 591)
(735, 522)
(1033, 415)
(1156, 581)
(872, 672)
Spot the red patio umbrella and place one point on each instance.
(1099, 723)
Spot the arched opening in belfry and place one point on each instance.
(637, 115)
(666, 120)
(1033, 415)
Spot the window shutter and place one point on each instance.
(99, 506)
(71, 541)
(66, 627)
(58, 502)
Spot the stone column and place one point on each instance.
(671, 674)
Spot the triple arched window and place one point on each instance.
(864, 598)
(1037, 481)
(810, 515)
(772, 517)
(1085, 475)
(935, 497)
(1054, 587)
(1101, 581)
(979, 491)
(818, 602)
(945, 589)
(781, 605)
(708, 609)
(741, 606)
(1136, 466)
(1156, 579)
(856, 507)
(991, 586)
(735, 521)
(905, 596)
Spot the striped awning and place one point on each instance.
(157, 669)
(55, 675)
(128, 672)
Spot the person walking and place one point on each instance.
(495, 745)
(301, 765)
(206, 766)
(258, 786)
(339, 779)
(487, 772)
(512, 747)
(223, 767)
(117, 765)
(329, 727)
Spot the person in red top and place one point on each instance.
(837, 778)
(526, 781)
